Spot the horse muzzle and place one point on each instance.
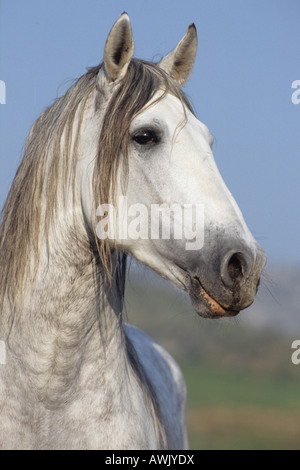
(228, 284)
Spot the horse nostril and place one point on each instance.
(235, 268)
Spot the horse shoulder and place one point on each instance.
(167, 382)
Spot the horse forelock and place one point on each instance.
(141, 82)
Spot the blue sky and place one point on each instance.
(248, 58)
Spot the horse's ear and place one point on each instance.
(179, 62)
(119, 49)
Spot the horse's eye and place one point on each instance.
(145, 137)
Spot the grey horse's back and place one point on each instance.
(167, 382)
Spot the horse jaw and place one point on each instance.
(222, 273)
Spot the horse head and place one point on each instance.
(173, 211)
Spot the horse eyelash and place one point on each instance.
(144, 132)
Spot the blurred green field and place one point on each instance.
(229, 410)
(243, 390)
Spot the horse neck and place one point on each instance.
(70, 320)
(68, 316)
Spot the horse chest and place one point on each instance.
(96, 421)
(110, 417)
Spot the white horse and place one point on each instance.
(75, 376)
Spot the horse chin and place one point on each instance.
(205, 305)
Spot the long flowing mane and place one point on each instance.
(49, 165)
